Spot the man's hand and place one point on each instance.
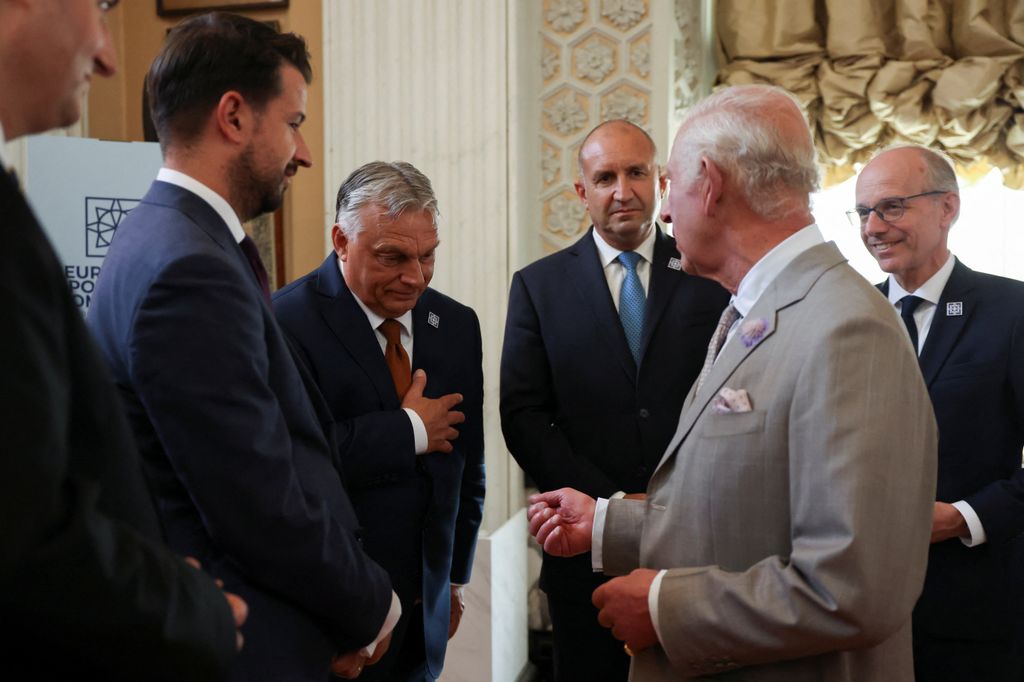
(622, 607)
(350, 665)
(239, 609)
(457, 609)
(562, 521)
(437, 414)
(381, 649)
(948, 522)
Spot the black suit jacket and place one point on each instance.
(86, 587)
(234, 449)
(434, 501)
(575, 409)
(973, 365)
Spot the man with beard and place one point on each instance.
(230, 428)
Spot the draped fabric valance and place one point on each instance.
(943, 73)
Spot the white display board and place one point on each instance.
(81, 190)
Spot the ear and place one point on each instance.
(233, 116)
(711, 191)
(340, 242)
(662, 182)
(581, 191)
(950, 209)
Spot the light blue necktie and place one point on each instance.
(631, 303)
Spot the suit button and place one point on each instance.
(421, 467)
(644, 414)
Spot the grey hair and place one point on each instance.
(396, 187)
(737, 128)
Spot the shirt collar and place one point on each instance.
(930, 291)
(216, 201)
(3, 143)
(764, 272)
(609, 253)
(373, 318)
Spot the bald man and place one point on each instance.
(967, 329)
(602, 342)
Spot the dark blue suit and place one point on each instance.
(575, 408)
(973, 365)
(420, 513)
(87, 590)
(234, 449)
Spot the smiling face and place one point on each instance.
(275, 152)
(619, 183)
(913, 247)
(389, 263)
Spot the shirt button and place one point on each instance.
(644, 413)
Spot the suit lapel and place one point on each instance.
(662, 285)
(587, 275)
(790, 286)
(946, 329)
(349, 324)
(427, 345)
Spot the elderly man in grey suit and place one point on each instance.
(785, 532)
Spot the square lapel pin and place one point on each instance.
(433, 320)
(954, 308)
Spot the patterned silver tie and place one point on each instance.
(725, 323)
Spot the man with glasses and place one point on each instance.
(87, 590)
(968, 331)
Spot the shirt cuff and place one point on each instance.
(419, 431)
(652, 603)
(394, 613)
(977, 530)
(597, 536)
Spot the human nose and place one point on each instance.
(413, 272)
(104, 62)
(302, 155)
(665, 213)
(624, 189)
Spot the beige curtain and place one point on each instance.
(943, 73)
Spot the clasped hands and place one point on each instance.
(563, 522)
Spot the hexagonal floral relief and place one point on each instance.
(564, 15)
(550, 61)
(594, 58)
(565, 112)
(550, 163)
(625, 14)
(640, 56)
(564, 214)
(625, 102)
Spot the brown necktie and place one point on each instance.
(252, 254)
(396, 357)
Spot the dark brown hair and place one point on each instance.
(208, 55)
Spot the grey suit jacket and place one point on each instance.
(795, 534)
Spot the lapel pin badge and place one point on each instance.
(433, 320)
(674, 264)
(954, 309)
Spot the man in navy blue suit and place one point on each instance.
(602, 343)
(231, 429)
(968, 330)
(87, 589)
(412, 462)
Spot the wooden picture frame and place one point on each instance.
(170, 8)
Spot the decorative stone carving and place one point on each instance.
(565, 112)
(551, 61)
(564, 214)
(594, 58)
(624, 14)
(625, 102)
(689, 61)
(564, 15)
(551, 163)
(640, 56)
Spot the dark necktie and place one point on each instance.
(396, 357)
(725, 323)
(631, 303)
(252, 254)
(908, 305)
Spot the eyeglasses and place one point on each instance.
(889, 209)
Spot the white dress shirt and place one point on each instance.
(230, 218)
(751, 287)
(929, 293)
